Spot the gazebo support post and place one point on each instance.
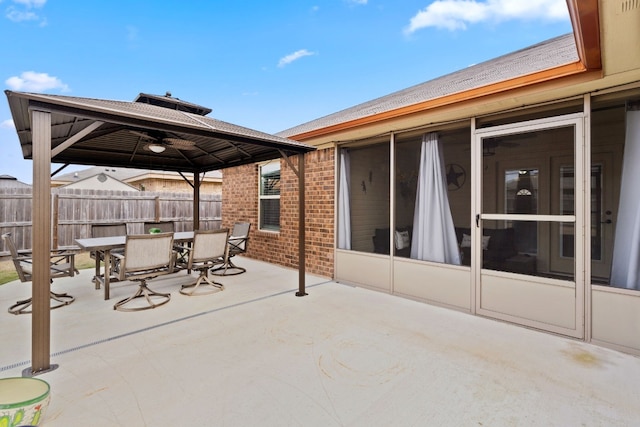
(41, 244)
(196, 200)
(301, 220)
(301, 228)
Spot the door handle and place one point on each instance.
(606, 222)
(477, 220)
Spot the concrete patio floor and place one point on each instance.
(257, 355)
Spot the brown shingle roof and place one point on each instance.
(542, 56)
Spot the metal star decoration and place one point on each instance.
(456, 176)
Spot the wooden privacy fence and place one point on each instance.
(74, 211)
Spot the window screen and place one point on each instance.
(270, 196)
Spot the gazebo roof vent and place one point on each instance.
(167, 101)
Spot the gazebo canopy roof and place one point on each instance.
(100, 132)
(156, 134)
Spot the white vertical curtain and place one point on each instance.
(625, 268)
(434, 236)
(344, 202)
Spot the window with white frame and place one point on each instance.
(269, 196)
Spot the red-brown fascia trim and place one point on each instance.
(519, 82)
(586, 30)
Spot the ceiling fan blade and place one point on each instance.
(180, 143)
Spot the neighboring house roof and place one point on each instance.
(100, 181)
(547, 55)
(126, 174)
(8, 181)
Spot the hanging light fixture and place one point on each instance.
(156, 148)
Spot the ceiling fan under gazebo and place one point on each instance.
(160, 141)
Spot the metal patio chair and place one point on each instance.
(145, 256)
(62, 264)
(237, 244)
(208, 249)
(105, 230)
(166, 227)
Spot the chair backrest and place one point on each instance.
(208, 245)
(8, 241)
(239, 237)
(24, 276)
(164, 226)
(108, 230)
(60, 263)
(145, 252)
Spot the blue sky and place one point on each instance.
(266, 65)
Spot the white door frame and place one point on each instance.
(577, 122)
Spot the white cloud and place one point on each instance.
(18, 15)
(30, 81)
(24, 11)
(294, 56)
(31, 3)
(457, 14)
(358, 1)
(7, 124)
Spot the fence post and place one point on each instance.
(55, 217)
(157, 210)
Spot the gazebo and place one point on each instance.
(152, 132)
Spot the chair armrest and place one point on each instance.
(116, 260)
(62, 253)
(173, 262)
(236, 241)
(118, 256)
(63, 262)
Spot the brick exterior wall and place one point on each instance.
(240, 203)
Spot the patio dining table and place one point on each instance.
(106, 244)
